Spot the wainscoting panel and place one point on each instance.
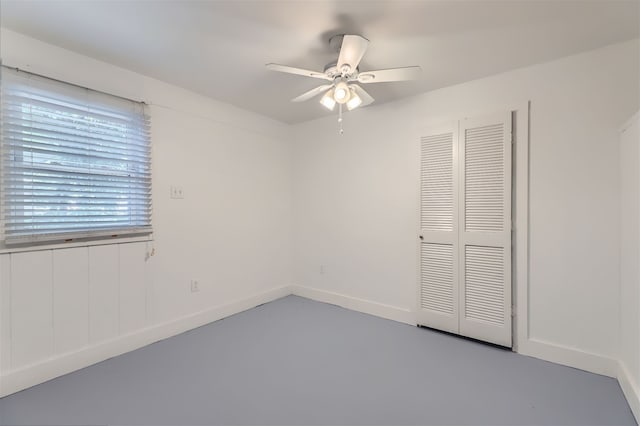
(31, 307)
(103, 292)
(70, 299)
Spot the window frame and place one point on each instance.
(127, 193)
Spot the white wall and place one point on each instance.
(355, 208)
(62, 308)
(356, 205)
(630, 262)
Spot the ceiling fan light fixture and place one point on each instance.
(328, 101)
(343, 76)
(341, 93)
(355, 100)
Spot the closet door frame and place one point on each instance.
(521, 342)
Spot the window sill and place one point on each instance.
(75, 244)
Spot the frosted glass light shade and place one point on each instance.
(354, 101)
(341, 93)
(327, 100)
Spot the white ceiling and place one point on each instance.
(219, 48)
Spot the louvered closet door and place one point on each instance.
(485, 228)
(438, 289)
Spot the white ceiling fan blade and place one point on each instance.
(311, 93)
(352, 51)
(298, 71)
(391, 74)
(366, 98)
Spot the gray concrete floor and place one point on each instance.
(295, 361)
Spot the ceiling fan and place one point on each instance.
(344, 74)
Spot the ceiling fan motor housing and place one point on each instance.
(332, 71)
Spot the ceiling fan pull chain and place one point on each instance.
(341, 131)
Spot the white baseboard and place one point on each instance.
(16, 380)
(571, 357)
(547, 351)
(24, 377)
(631, 390)
(355, 304)
(536, 348)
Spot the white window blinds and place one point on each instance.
(75, 162)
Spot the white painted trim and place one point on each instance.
(393, 313)
(520, 215)
(540, 349)
(571, 357)
(74, 244)
(631, 390)
(24, 377)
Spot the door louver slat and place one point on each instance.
(437, 183)
(437, 278)
(484, 178)
(484, 284)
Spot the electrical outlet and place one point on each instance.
(195, 286)
(323, 269)
(176, 192)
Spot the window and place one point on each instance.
(75, 162)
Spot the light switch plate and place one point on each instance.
(176, 192)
